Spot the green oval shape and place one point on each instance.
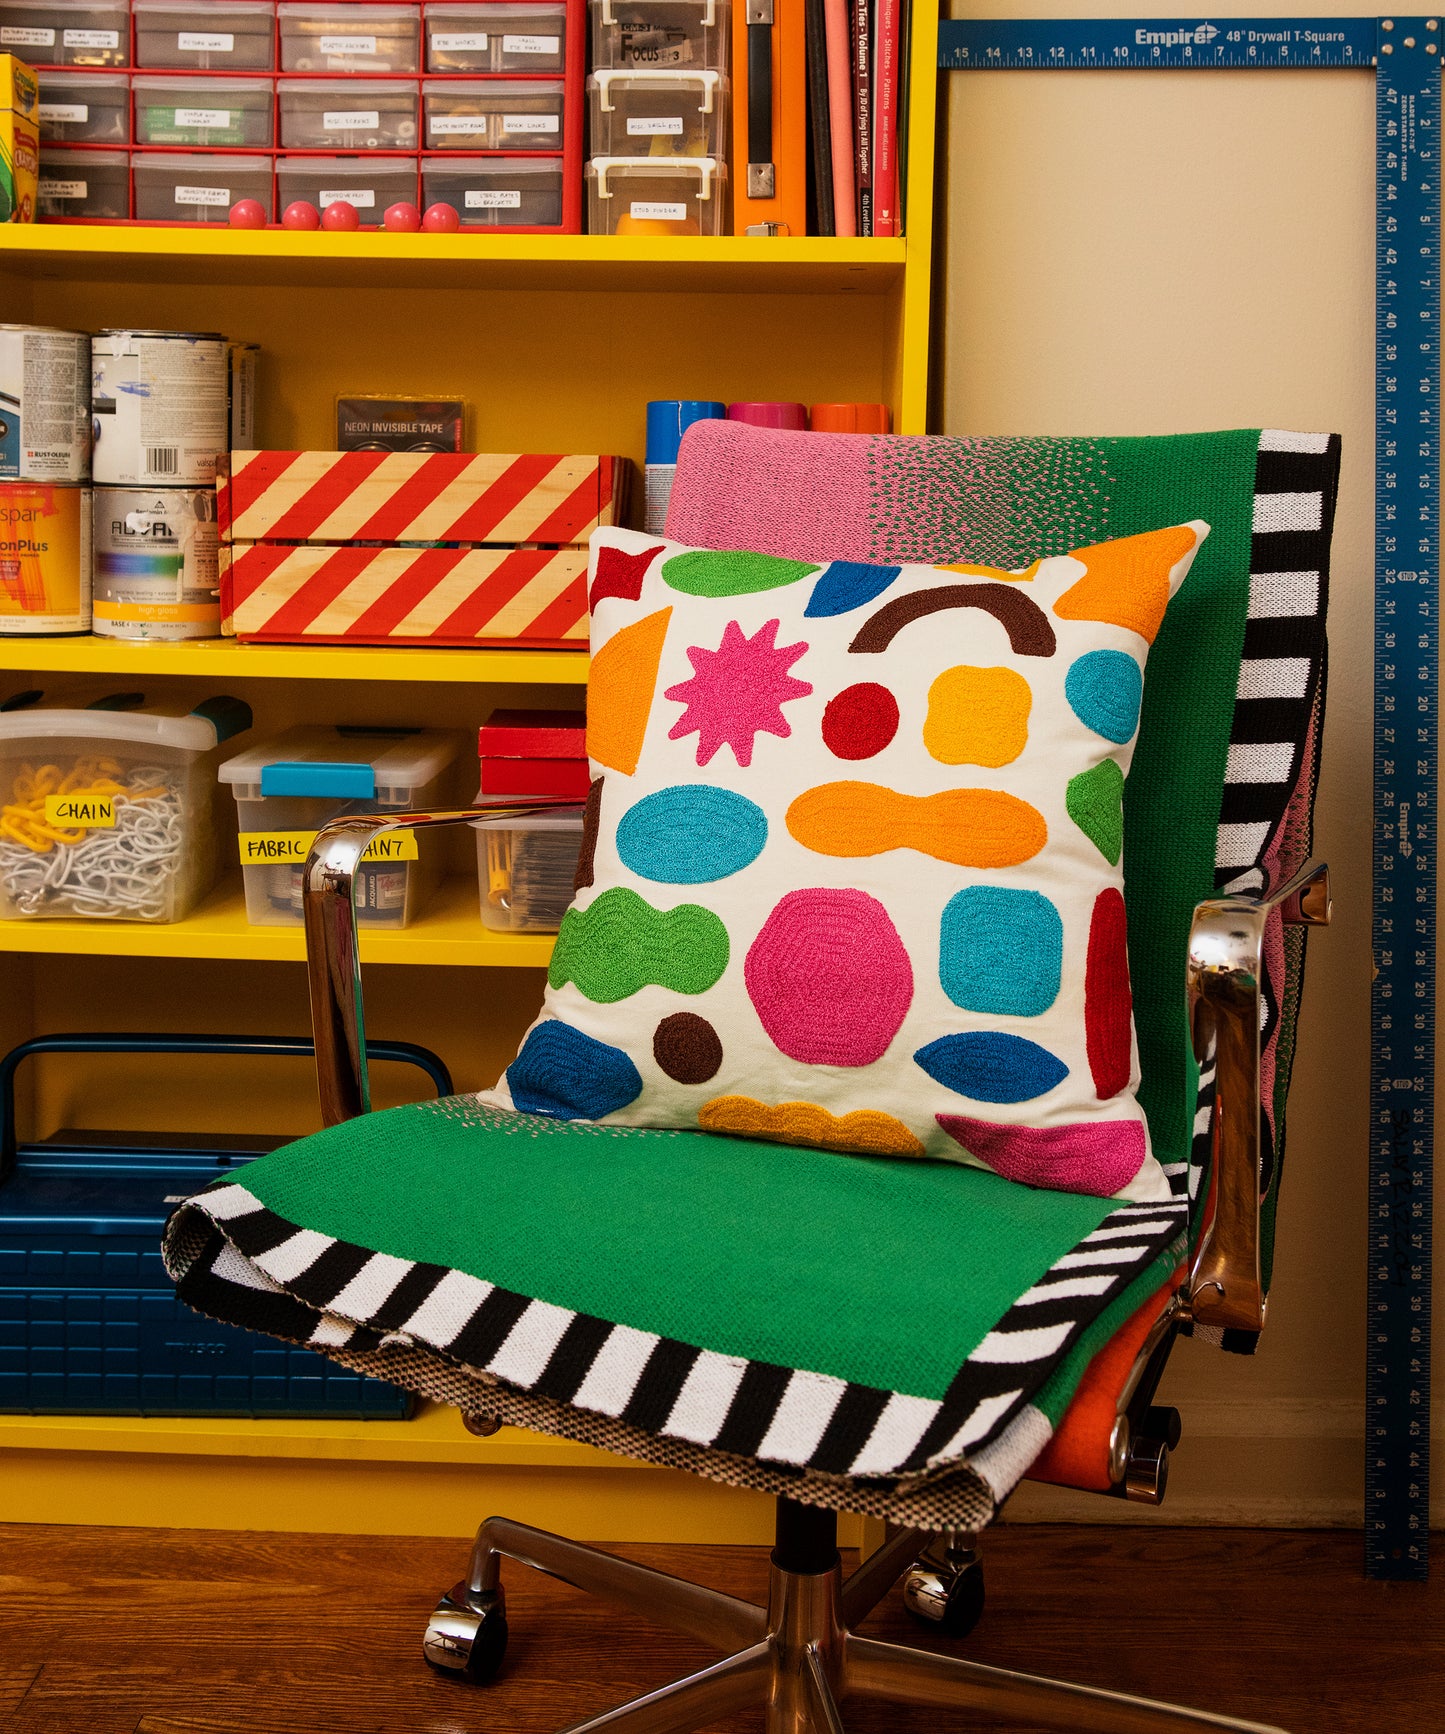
(701, 573)
(620, 944)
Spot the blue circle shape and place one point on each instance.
(691, 834)
(990, 1066)
(1105, 689)
(1001, 951)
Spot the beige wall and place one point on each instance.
(1131, 254)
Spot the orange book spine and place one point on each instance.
(785, 65)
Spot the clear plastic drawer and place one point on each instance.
(348, 114)
(206, 35)
(493, 114)
(340, 38)
(203, 111)
(658, 114)
(84, 108)
(191, 187)
(496, 192)
(655, 195)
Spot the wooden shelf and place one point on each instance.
(449, 931)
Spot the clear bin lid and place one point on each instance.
(485, 9)
(194, 163)
(386, 765)
(368, 168)
(504, 167)
(199, 9)
(352, 86)
(75, 161)
(349, 16)
(123, 716)
(705, 169)
(259, 87)
(611, 10)
(500, 87)
(50, 81)
(110, 6)
(702, 85)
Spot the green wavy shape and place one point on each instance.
(620, 944)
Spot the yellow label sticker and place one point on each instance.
(80, 812)
(263, 847)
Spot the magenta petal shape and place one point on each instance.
(1094, 1156)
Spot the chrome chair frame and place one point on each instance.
(797, 1656)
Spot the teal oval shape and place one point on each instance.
(690, 834)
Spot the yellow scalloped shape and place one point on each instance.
(866, 1129)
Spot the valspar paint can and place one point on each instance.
(44, 404)
(44, 559)
(156, 563)
(158, 407)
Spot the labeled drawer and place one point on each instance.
(206, 35)
(493, 114)
(83, 184)
(188, 187)
(84, 108)
(691, 35)
(496, 192)
(655, 195)
(370, 184)
(203, 111)
(348, 114)
(65, 32)
(658, 114)
(496, 38)
(340, 38)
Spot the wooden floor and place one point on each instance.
(107, 1631)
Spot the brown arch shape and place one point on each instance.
(1028, 628)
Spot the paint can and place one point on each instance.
(44, 404)
(158, 402)
(44, 559)
(156, 564)
(241, 361)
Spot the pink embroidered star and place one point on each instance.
(738, 691)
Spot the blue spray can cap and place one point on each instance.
(668, 419)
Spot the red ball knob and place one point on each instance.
(441, 220)
(248, 214)
(403, 219)
(339, 215)
(301, 215)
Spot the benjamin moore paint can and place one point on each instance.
(44, 404)
(155, 563)
(158, 402)
(44, 559)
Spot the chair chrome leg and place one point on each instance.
(818, 1699)
(735, 1683)
(917, 1677)
(705, 1614)
(805, 1643)
(867, 1586)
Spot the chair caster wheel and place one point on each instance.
(947, 1591)
(466, 1637)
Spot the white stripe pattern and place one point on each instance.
(706, 1396)
(226, 1203)
(529, 1344)
(977, 1425)
(1275, 514)
(1238, 845)
(1101, 1255)
(1070, 1288)
(1010, 1347)
(371, 1286)
(443, 1315)
(295, 1254)
(1283, 595)
(902, 1423)
(1274, 439)
(613, 1376)
(331, 1333)
(802, 1416)
(1259, 762)
(1273, 677)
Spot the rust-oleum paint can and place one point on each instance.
(158, 407)
(44, 404)
(44, 560)
(156, 564)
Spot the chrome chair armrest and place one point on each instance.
(1226, 953)
(333, 960)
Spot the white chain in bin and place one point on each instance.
(107, 808)
(638, 195)
(290, 785)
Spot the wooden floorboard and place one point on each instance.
(114, 1631)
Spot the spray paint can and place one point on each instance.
(44, 404)
(156, 564)
(241, 359)
(668, 419)
(158, 402)
(44, 560)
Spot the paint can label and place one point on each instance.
(44, 402)
(44, 559)
(156, 565)
(158, 408)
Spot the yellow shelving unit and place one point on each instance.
(556, 343)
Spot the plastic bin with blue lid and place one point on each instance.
(287, 787)
(107, 803)
(90, 1323)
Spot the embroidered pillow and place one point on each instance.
(850, 874)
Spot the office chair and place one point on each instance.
(1220, 893)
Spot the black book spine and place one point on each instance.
(818, 116)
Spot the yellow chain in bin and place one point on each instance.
(108, 808)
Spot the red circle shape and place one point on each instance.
(339, 215)
(860, 721)
(402, 219)
(248, 214)
(301, 215)
(441, 220)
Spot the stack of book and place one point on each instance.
(857, 54)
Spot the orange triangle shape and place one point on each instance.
(1127, 581)
(620, 685)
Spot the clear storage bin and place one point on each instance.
(206, 35)
(371, 184)
(658, 114)
(655, 195)
(496, 192)
(496, 38)
(66, 32)
(525, 869)
(348, 114)
(288, 786)
(688, 34)
(110, 813)
(204, 111)
(493, 114)
(84, 108)
(83, 184)
(191, 188)
(341, 38)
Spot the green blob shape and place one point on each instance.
(1095, 800)
(700, 573)
(620, 944)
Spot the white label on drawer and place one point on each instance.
(340, 119)
(203, 195)
(480, 199)
(17, 36)
(652, 210)
(203, 117)
(348, 45)
(58, 111)
(655, 126)
(90, 38)
(529, 123)
(64, 189)
(443, 123)
(462, 44)
(205, 42)
(531, 44)
(362, 197)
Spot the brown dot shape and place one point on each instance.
(687, 1048)
(591, 818)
